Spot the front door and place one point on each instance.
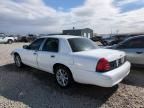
(30, 54)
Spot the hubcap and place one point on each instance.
(62, 77)
(17, 61)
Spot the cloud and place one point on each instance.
(34, 16)
(124, 2)
(31, 14)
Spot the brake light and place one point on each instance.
(103, 65)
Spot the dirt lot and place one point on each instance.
(28, 87)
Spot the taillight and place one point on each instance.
(103, 65)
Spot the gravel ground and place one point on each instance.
(28, 87)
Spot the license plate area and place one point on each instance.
(117, 63)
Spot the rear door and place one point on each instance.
(48, 54)
(134, 49)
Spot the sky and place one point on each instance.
(52, 16)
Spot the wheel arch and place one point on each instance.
(10, 40)
(16, 53)
(60, 64)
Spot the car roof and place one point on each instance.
(138, 36)
(134, 37)
(62, 36)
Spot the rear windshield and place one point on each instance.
(81, 44)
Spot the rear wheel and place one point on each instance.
(63, 76)
(18, 61)
(10, 41)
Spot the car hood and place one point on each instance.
(102, 53)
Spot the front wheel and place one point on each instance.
(63, 76)
(18, 61)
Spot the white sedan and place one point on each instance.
(72, 58)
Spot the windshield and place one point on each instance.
(81, 44)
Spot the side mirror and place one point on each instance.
(26, 47)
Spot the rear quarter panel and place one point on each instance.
(85, 63)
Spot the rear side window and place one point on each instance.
(36, 44)
(51, 45)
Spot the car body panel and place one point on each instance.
(133, 56)
(28, 57)
(107, 79)
(46, 61)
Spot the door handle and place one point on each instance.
(52, 56)
(139, 52)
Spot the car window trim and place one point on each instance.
(40, 49)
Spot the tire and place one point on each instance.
(18, 61)
(10, 41)
(63, 76)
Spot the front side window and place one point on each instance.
(51, 45)
(81, 44)
(36, 44)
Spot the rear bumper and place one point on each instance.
(107, 79)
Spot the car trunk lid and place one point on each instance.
(109, 54)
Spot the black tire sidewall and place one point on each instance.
(19, 59)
